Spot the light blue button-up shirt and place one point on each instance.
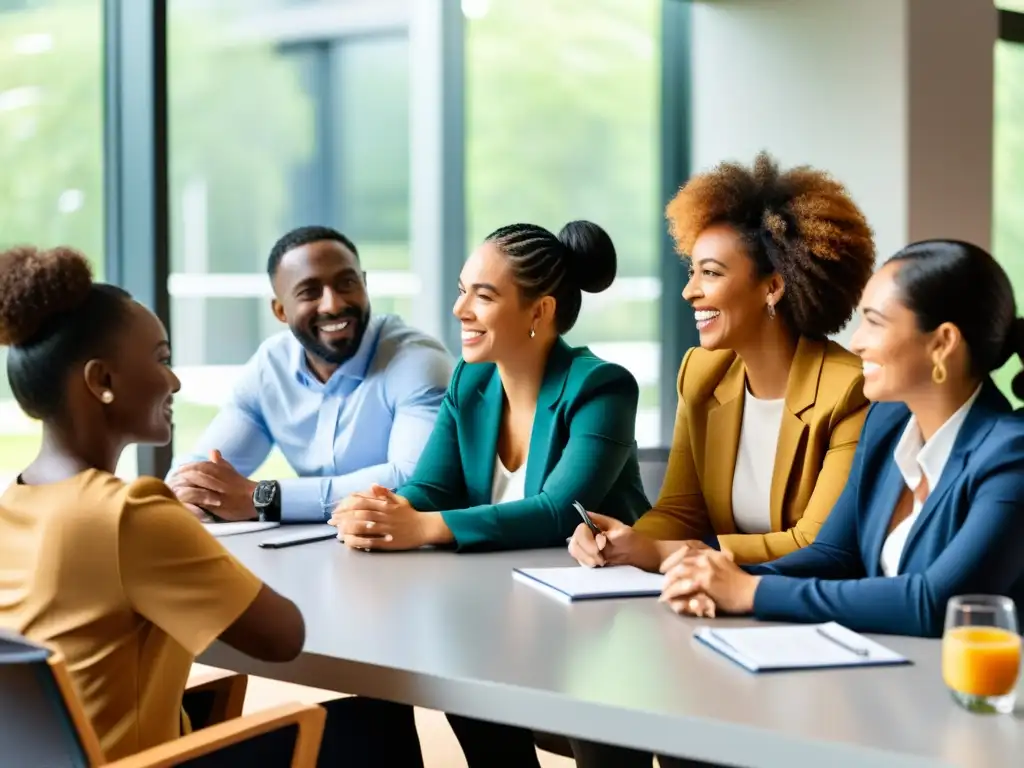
(367, 424)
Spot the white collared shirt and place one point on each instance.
(915, 458)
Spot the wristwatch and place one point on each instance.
(267, 500)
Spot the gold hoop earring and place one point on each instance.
(771, 311)
(532, 333)
(939, 372)
(107, 397)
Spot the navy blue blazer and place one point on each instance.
(968, 539)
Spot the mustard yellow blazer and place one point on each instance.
(821, 422)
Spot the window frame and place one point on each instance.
(136, 168)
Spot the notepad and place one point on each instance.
(246, 526)
(579, 583)
(802, 646)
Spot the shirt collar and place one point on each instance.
(915, 457)
(353, 368)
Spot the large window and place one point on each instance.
(1008, 172)
(51, 155)
(275, 123)
(562, 121)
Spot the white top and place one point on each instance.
(915, 458)
(507, 486)
(755, 463)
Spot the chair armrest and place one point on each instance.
(309, 719)
(228, 691)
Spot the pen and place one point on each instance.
(862, 652)
(586, 518)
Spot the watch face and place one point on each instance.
(264, 494)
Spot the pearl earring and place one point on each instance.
(532, 333)
(107, 397)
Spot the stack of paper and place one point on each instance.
(578, 583)
(802, 646)
(246, 526)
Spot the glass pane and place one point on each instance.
(562, 123)
(268, 134)
(51, 155)
(1008, 172)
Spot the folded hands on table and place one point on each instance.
(380, 519)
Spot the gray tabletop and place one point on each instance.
(456, 633)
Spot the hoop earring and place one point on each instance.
(532, 333)
(107, 397)
(771, 311)
(939, 372)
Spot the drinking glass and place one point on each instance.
(981, 651)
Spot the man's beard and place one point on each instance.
(334, 354)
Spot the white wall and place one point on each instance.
(812, 81)
(893, 97)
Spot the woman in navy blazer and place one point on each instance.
(934, 506)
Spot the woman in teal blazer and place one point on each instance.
(934, 506)
(581, 448)
(529, 426)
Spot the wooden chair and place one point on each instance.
(224, 694)
(42, 722)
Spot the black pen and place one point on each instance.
(586, 518)
(862, 652)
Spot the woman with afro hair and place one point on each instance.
(770, 410)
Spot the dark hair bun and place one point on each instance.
(36, 286)
(593, 255)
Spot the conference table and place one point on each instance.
(455, 632)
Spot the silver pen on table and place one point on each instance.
(862, 652)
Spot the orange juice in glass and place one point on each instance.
(981, 652)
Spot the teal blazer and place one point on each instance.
(582, 448)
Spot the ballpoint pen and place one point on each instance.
(862, 652)
(586, 518)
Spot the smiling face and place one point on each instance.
(321, 294)
(729, 299)
(495, 320)
(897, 356)
(140, 378)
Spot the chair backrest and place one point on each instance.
(36, 725)
(275, 748)
(653, 463)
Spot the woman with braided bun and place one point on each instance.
(529, 425)
(770, 410)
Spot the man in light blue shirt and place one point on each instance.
(349, 399)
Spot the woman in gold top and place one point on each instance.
(120, 577)
(770, 410)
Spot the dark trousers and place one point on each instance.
(369, 732)
(358, 732)
(589, 754)
(490, 745)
